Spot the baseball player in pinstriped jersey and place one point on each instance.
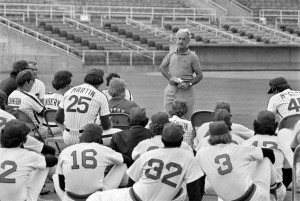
(22, 172)
(284, 101)
(81, 167)
(80, 106)
(24, 100)
(160, 173)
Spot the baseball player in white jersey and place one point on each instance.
(156, 126)
(80, 170)
(265, 126)
(22, 99)
(178, 109)
(38, 88)
(236, 129)
(128, 94)
(22, 172)
(80, 106)
(227, 167)
(285, 101)
(159, 174)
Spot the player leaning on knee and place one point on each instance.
(22, 172)
(227, 167)
(81, 167)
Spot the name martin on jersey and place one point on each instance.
(83, 90)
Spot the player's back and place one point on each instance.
(16, 166)
(83, 166)
(227, 168)
(82, 104)
(160, 173)
(52, 100)
(151, 144)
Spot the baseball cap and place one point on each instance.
(266, 117)
(3, 97)
(92, 128)
(223, 105)
(160, 118)
(222, 115)
(138, 114)
(218, 128)
(23, 76)
(15, 128)
(172, 132)
(20, 65)
(276, 82)
(95, 71)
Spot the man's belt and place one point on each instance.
(248, 195)
(80, 131)
(77, 197)
(134, 196)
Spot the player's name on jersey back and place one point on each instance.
(14, 101)
(83, 90)
(290, 93)
(52, 101)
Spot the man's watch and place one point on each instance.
(191, 84)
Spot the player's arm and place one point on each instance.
(269, 153)
(61, 181)
(60, 118)
(50, 160)
(105, 122)
(195, 189)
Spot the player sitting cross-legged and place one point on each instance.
(80, 169)
(229, 167)
(22, 172)
(160, 173)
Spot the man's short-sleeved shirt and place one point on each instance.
(159, 174)
(83, 166)
(16, 166)
(9, 84)
(227, 167)
(81, 105)
(52, 100)
(38, 89)
(27, 102)
(285, 103)
(182, 65)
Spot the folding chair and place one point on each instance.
(294, 183)
(120, 120)
(22, 115)
(289, 122)
(200, 117)
(49, 116)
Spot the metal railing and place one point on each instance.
(150, 29)
(274, 32)
(218, 32)
(242, 6)
(281, 14)
(218, 6)
(7, 15)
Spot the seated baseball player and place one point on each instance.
(125, 141)
(265, 126)
(221, 115)
(236, 129)
(158, 120)
(26, 101)
(118, 103)
(38, 88)
(160, 173)
(111, 76)
(80, 169)
(22, 172)
(228, 167)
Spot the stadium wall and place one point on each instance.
(15, 46)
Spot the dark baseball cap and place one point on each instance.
(160, 118)
(266, 117)
(23, 76)
(138, 114)
(276, 82)
(20, 65)
(92, 128)
(218, 128)
(172, 132)
(222, 105)
(95, 71)
(15, 128)
(222, 115)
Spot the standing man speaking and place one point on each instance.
(179, 67)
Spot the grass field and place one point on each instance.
(245, 91)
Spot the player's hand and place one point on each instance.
(175, 80)
(183, 85)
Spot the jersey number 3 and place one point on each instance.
(158, 170)
(7, 172)
(82, 105)
(226, 166)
